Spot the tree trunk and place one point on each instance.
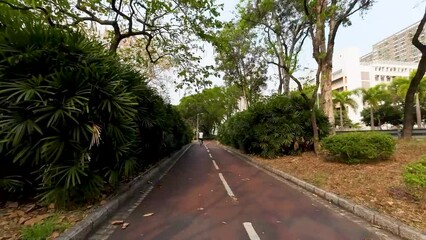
(341, 117)
(407, 129)
(315, 130)
(408, 123)
(326, 96)
(418, 112)
(286, 84)
(114, 43)
(280, 76)
(317, 145)
(371, 118)
(245, 96)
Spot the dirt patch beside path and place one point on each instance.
(378, 186)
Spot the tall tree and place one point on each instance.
(325, 17)
(283, 29)
(343, 99)
(240, 59)
(407, 130)
(373, 97)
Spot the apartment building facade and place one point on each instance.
(397, 47)
(350, 73)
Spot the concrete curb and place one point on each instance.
(82, 229)
(385, 222)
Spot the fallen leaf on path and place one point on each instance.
(148, 214)
(54, 235)
(125, 225)
(117, 222)
(22, 220)
(224, 222)
(37, 219)
(31, 207)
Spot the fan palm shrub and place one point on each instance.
(74, 119)
(66, 115)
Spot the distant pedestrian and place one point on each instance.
(200, 138)
(399, 132)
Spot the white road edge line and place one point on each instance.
(208, 150)
(228, 189)
(210, 155)
(215, 165)
(250, 231)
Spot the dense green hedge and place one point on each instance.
(277, 126)
(74, 120)
(360, 147)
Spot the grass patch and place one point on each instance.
(45, 229)
(319, 179)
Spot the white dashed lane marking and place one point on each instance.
(210, 155)
(250, 231)
(215, 165)
(227, 188)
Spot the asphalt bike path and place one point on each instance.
(212, 194)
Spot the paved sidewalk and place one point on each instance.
(211, 194)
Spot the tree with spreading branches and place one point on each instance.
(325, 18)
(240, 59)
(168, 29)
(282, 29)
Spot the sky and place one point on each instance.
(385, 18)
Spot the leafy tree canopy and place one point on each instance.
(165, 29)
(212, 105)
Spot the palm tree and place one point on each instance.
(400, 85)
(373, 97)
(342, 99)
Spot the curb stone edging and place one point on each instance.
(83, 228)
(385, 222)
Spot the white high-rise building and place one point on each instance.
(349, 73)
(394, 56)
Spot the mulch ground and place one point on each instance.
(378, 186)
(15, 216)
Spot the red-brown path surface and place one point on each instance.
(192, 203)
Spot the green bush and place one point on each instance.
(415, 174)
(360, 147)
(74, 120)
(279, 125)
